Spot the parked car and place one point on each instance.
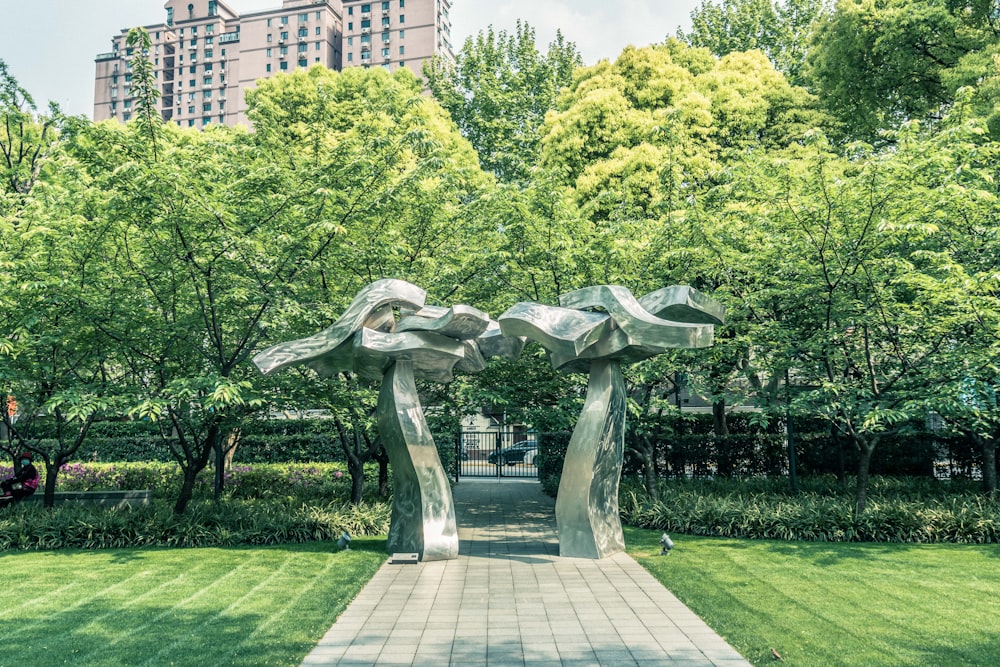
(520, 452)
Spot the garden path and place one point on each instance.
(509, 599)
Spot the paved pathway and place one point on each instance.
(510, 600)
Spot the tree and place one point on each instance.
(403, 181)
(878, 63)
(498, 91)
(26, 139)
(782, 30)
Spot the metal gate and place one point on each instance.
(496, 454)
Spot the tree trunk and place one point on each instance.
(645, 448)
(719, 423)
(51, 475)
(865, 450)
(383, 473)
(989, 447)
(187, 489)
(355, 464)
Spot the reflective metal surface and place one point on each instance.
(423, 512)
(587, 504)
(595, 330)
(429, 342)
(330, 351)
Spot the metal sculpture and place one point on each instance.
(579, 337)
(427, 342)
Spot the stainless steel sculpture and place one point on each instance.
(428, 342)
(579, 337)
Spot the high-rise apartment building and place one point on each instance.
(205, 55)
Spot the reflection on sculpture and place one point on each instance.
(427, 342)
(579, 337)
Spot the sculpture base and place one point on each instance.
(423, 512)
(587, 504)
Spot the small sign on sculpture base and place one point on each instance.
(405, 558)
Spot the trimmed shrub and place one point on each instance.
(898, 511)
(229, 523)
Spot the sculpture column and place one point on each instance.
(587, 504)
(423, 513)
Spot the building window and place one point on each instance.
(284, 50)
(366, 9)
(319, 15)
(385, 5)
(366, 39)
(385, 53)
(303, 62)
(207, 95)
(191, 69)
(126, 116)
(303, 47)
(318, 33)
(210, 40)
(207, 81)
(284, 20)
(350, 41)
(350, 11)
(402, 18)
(269, 38)
(284, 35)
(318, 47)
(208, 67)
(210, 29)
(303, 32)
(350, 26)
(304, 18)
(205, 120)
(190, 97)
(207, 106)
(269, 52)
(170, 17)
(128, 104)
(402, 3)
(350, 57)
(366, 23)
(269, 23)
(209, 53)
(402, 50)
(213, 7)
(191, 109)
(284, 65)
(385, 21)
(191, 83)
(268, 67)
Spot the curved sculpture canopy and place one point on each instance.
(428, 342)
(596, 330)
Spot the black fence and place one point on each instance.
(496, 454)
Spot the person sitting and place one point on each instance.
(22, 484)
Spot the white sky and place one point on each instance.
(49, 45)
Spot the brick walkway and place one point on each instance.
(509, 599)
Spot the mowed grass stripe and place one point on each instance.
(229, 615)
(105, 633)
(838, 604)
(54, 612)
(340, 571)
(240, 607)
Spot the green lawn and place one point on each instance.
(232, 606)
(837, 604)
